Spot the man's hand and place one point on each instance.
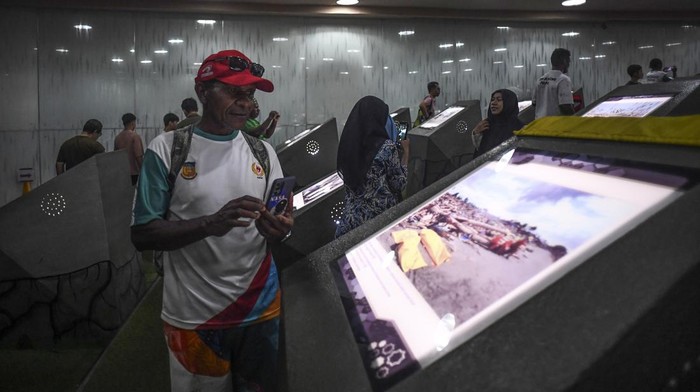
(276, 227)
(236, 213)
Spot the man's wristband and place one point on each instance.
(286, 236)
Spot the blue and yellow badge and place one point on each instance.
(257, 170)
(189, 170)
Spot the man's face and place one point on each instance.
(436, 91)
(230, 106)
(171, 126)
(567, 62)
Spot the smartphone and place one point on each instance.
(402, 127)
(280, 194)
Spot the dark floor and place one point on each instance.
(134, 361)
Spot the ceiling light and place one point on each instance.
(502, 27)
(572, 3)
(344, 73)
(464, 60)
(353, 51)
(82, 27)
(570, 34)
(206, 21)
(584, 58)
(448, 61)
(117, 60)
(412, 72)
(132, 50)
(446, 72)
(646, 47)
(518, 66)
(673, 44)
(445, 46)
(276, 66)
(498, 62)
(468, 70)
(280, 39)
(61, 50)
(327, 59)
(347, 2)
(600, 56)
(368, 66)
(541, 65)
(386, 67)
(160, 51)
(302, 58)
(175, 41)
(407, 32)
(459, 44)
(609, 43)
(687, 26)
(196, 63)
(500, 49)
(146, 61)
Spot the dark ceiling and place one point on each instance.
(495, 10)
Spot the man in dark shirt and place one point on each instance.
(81, 147)
(190, 109)
(636, 74)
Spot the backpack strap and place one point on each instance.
(260, 153)
(182, 139)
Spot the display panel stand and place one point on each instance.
(69, 269)
(598, 327)
(442, 148)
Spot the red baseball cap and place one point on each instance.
(219, 66)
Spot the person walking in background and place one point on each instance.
(427, 107)
(255, 128)
(221, 297)
(371, 163)
(501, 121)
(656, 72)
(636, 74)
(130, 141)
(191, 110)
(170, 121)
(553, 96)
(81, 147)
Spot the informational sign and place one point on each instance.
(639, 106)
(468, 256)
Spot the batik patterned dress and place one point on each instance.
(386, 178)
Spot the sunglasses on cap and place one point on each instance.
(239, 64)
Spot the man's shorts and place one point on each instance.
(234, 359)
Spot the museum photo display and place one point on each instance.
(452, 266)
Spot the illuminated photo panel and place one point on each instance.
(317, 190)
(638, 106)
(458, 262)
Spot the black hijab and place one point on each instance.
(362, 137)
(501, 126)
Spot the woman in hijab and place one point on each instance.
(370, 162)
(501, 121)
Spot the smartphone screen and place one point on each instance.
(280, 194)
(402, 127)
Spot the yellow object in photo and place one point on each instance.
(434, 246)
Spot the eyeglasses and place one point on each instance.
(240, 64)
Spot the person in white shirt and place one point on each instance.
(553, 95)
(656, 73)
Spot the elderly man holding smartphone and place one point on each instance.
(221, 298)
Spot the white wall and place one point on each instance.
(47, 96)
